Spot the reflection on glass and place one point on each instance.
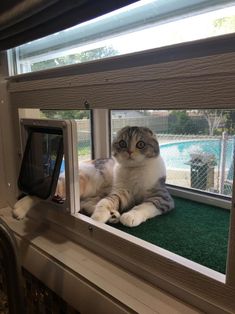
(141, 26)
(42, 159)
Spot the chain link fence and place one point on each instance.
(84, 139)
(200, 162)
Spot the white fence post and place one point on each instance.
(222, 162)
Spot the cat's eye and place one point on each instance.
(122, 144)
(140, 144)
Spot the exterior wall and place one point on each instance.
(8, 186)
(2, 186)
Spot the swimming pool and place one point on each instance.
(177, 154)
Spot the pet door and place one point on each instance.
(50, 161)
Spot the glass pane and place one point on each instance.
(41, 162)
(83, 120)
(137, 27)
(196, 145)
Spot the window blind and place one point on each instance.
(24, 21)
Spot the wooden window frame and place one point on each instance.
(185, 76)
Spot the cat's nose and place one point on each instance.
(130, 152)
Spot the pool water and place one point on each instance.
(177, 154)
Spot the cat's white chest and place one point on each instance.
(140, 179)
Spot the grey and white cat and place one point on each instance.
(129, 187)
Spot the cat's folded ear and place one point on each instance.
(154, 135)
(150, 132)
(123, 130)
(145, 129)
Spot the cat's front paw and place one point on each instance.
(115, 217)
(131, 219)
(102, 212)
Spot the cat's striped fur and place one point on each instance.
(130, 187)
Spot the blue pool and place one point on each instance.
(177, 154)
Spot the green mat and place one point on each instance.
(193, 230)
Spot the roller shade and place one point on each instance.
(24, 21)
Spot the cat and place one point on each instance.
(127, 188)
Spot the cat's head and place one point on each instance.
(133, 145)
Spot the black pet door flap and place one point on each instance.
(41, 162)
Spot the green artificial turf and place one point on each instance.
(193, 230)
